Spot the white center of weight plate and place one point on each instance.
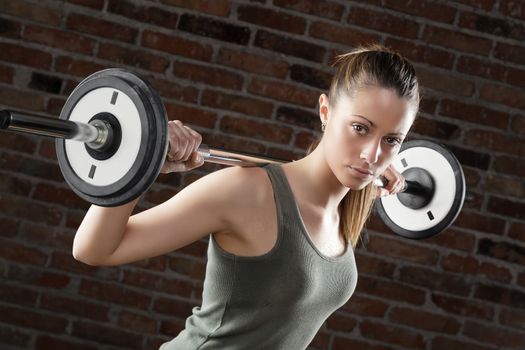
(105, 172)
(445, 189)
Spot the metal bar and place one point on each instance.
(45, 126)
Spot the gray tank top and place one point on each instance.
(278, 300)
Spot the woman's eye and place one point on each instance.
(361, 129)
(394, 141)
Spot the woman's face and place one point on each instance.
(364, 133)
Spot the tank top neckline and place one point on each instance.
(303, 227)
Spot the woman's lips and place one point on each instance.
(361, 173)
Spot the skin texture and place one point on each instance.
(220, 202)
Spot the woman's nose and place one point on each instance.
(371, 151)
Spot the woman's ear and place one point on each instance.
(323, 108)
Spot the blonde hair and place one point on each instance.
(372, 65)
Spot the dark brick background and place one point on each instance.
(247, 74)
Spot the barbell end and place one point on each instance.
(5, 119)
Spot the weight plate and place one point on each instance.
(136, 163)
(446, 202)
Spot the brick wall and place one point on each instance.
(247, 74)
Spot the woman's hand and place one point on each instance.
(395, 184)
(182, 152)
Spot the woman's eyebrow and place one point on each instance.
(373, 125)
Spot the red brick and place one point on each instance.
(256, 130)
(479, 222)
(513, 318)
(101, 28)
(436, 129)
(427, 9)
(401, 250)
(435, 281)
(500, 295)
(424, 320)
(9, 227)
(340, 323)
(26, 209)
(495, 141)
(383, 22)
(171, 326)
(106, 335)
(422, 53)
(14, 337)
(173, 307)
(6, 74)
(289, 46)
(283, 155)
(474, 114)
(74, 306)
(32, 11)
(176, 45)
(158, 263)
(453, 239)
(13, 294)
(390, 290)
(470, 266)
(284, 92)
(30, 167)
(133, 57)
(159, 283)
(515, 76)
(444, 82)
(144, 14)
(47, 236)
(19, 253)
(304, 139)
(320, 8)
(237, 103)
(59, 195)
(272, 19)
(187, 267)
(113, 293)
(21, 99)
(191, 115)
(216, 7)
(504, 186)
(213, 28)
(518, 124)
(510, 53)
(30, 276)
(492, 25)
(25, 56)
(463, 307)
(340, 34)
(341, 343)
(95, 4)
(512, 8)
(486, 5)
(517, 231)
(44, 342)
(455, 40)
(32, 319)
(136, 322)
(174, 91)
(497, 336)
(321, 339)
(209, 75)
(14, 185)
(10, 29)
(391, 334)
(482, 68)
(59, 39)
(76, 67)
(366, 307)
(509, 252)
(374, 266)
(252, 63)
(439, 343)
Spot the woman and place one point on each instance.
(280, 254)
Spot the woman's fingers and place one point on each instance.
(182, 154)
(395, 184)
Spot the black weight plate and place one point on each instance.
(146, 166)
(398, 217)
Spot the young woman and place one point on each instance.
(281, 237)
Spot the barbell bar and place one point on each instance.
(112, 140)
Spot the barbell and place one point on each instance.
(112, 140)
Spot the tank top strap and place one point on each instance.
(284, 199)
